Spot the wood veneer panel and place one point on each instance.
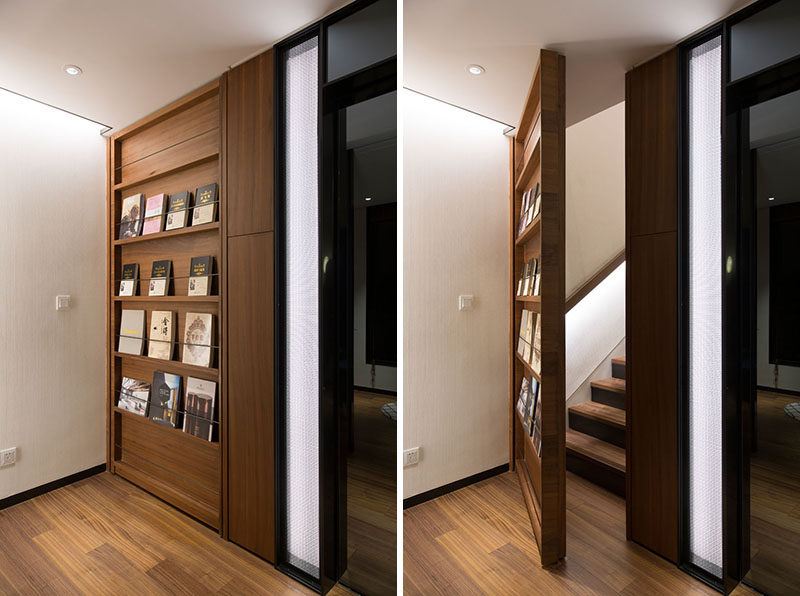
(250, 160)
(652, 412)
(250, 373)
(651, 145)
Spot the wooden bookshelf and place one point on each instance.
(176, 148)
(538, 156)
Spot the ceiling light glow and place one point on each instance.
(771, 199)
(475, 69)
(367, 198)
(73, 70)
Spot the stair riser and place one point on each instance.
(609, 478)
(604, 432)
(617, 370)
(609, 398)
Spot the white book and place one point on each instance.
(131, 332)
(197, 339)
(162, 334)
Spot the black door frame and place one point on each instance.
(738, 294)
(334, 273)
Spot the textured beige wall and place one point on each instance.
(52, 241)
(455, 241)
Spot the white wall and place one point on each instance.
(52, 241)
(788, 376)
(455, 241)
(595, 193)
(595, 327)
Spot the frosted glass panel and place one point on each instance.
(705, 306)
(302, 307)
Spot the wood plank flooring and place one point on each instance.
(103, 535)
(372, 499)
(478, 540)
(775, 500)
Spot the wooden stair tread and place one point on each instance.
(620, 361)
(611, 384)
(595, 449)
(601, 413)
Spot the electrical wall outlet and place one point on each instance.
(8, 457)
(411, 456)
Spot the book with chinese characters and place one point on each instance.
(130, 279)
(154, 214)
(197, 339)
(178, 211)
(198, 406)
(130, 220)
(205, 205)
(200, 270)
(161, 340)
(133, 396)
(131, 332)
(165, 398)
(159, 278)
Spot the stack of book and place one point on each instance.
(529, 278)
(531, 205)
(200, 276)
(197, 337)
(162, 212)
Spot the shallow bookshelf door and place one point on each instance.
(537, 399)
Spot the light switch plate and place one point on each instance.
(62, 302)
(465, 302)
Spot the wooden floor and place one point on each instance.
(104, 536)
(775, 499)
(478, 540)
(372, 499)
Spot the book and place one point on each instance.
(130, 279)
(537, 201)
(536, 277)
(536, 352)
(131, 332)
(537, 431)
(154, 214)
(164, 398)
(133, 396)
(205, 205)
(198, 336)
(200, 270)
(534, 401)
(531, 321)
(162, 334)
(159, 278)
(130, 221)
(198, 405)
(523, 325)
(523, 395)
(522, 212)
(178, 211)
(527, 420)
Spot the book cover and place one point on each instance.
(529, 322)
(130, 221)
(537, 431)
(205, 205)
(162, 334)
(534, 402)
(536, 277)
(522, 212)
(154, 214)
(164, 398)
(178, 211)
(527, 421)
(200, 270)
(133, 396)
(537, 200)
(159, 278)
(131, 332)
(130, 279)
(197, 341)
(198, 418)
(522, 327)
(523, 394)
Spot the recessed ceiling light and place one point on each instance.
(73, 70)
(367, 198)
(475, 69)
(771, 199)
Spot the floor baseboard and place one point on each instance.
(453, 486)
(50, 486)
(374, 390)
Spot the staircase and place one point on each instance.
(596, 433)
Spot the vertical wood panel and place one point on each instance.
(250, 146)
(652, 304)
(250, 373)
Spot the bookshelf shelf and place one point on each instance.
(173, 366)
(168, 429)
(538, 157)
(169, 299)
(175, 149)
(209, 227)
(529, 233)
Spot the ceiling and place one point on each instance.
(137, 55)
(601, 41)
